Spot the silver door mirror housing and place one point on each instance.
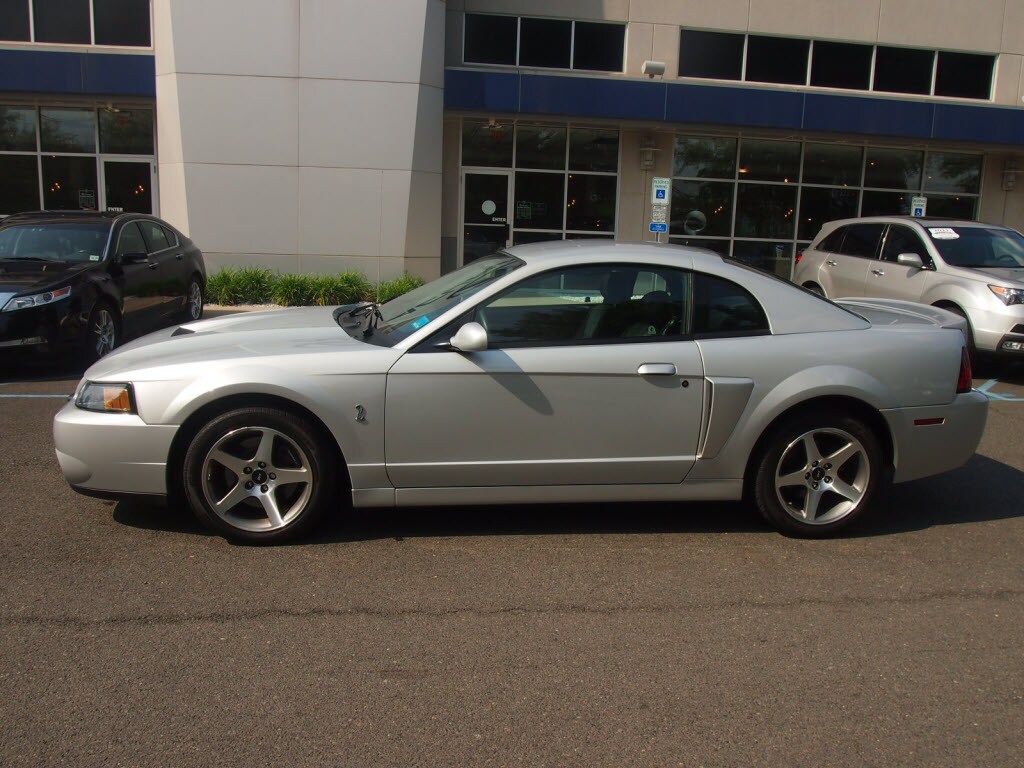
(910, 260)
(471, 337)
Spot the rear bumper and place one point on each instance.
(111, 454)
(922, 448)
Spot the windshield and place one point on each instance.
(978, 246)
(408, 313)
(58, 241)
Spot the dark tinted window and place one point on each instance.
(821, 204)
(598, 46)
(722, 307)
(902, 240)
(20, 188)
(487, 144)
(893, 168)
(967, 75)
(540, 198)
(717, 55)
(490, 39)
(903, 70)
(69, 183)
(544, 43)
(594, 149)
(126, 132)
(61, 21)
(14, 14)
(154, 235)
(841, 65)
(834, 241)
(591, 202)
(18, 129)
(862, 240)
(833, 164)
(121, 22)
(131, 240)
(777, 60)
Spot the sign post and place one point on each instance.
(661, 195)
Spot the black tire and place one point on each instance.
(240, 459)
(102, 332)
(195, 300)
(800, 492)
(815, 288)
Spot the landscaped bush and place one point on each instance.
(257, 285)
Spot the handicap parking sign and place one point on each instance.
(660, 193)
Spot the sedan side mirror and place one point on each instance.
(910, 260)
(471, 337)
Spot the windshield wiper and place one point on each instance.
(29, 258)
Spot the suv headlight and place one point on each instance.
(1009, 296)
(105, 397)
(37, 300)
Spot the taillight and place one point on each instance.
(799, 255)
(963, 383)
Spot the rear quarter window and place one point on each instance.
(723, 308)
(833, 242)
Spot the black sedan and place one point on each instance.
(85, 281)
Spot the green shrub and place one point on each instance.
(258, 285)
(389, 289)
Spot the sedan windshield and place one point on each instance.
(59, 241)
(405, 314)
(978, 246)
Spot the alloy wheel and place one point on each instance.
(104, 332)
(195, 300)
(822, 476)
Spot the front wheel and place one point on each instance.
(818, 473)
(258, 475)
(102, 333)
(194, 300)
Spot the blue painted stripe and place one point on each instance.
(87, 73)
(738, 106)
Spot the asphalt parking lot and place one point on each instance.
(545, 636)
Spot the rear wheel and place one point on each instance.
(257, 475)
(194, 299)
(817, 473)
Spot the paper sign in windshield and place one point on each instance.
(943, 233)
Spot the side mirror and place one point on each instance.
(910, 260)
(134, 258)
(471, 337)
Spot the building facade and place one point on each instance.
(416, 135)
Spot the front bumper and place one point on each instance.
(48, 326)
(106, 453)
(923, 448)
(992, 329)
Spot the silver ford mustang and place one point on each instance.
(564, 372)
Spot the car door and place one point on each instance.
(846, 269)
(170, 265)
(137, 279)
(886, 278)
(590, 377)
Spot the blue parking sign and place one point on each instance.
(660, 193)
(655, 227)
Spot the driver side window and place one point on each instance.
(130, 240)
(902, 240)
(590, 304)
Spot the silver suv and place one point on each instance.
(973, 269)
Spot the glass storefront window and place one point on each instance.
(701, 207)
(952, 206)
(893, 168)
(15, 20)
(769, 160)
(721, 247)
(886, 203)
(952, 172)
(540, 147)
(594, 149)
(17, 129)
(539, 200)
(704, 157)
(590, 203)
(487, 144)
(67, 130)
(20, 188)
(776, 257)
(765, 210)
(61, 21)
(835, 165)
(69, 183)
(821, 204)
(121, 22)
(126, 132)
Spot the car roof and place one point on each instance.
(924, 221)
(560, 250)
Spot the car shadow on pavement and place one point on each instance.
(17, 369)
(984, 490)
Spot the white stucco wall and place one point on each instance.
(304, 135)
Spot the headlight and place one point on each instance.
(1009, 296)
(106, 398)
(37, 300)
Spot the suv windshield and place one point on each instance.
(985, 247)
(59, 241)
(405, 314)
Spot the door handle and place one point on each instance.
(878, 272)
(179, 256)
(153, 265)
(830, 263)
(656, 369)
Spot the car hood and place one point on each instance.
(1002, 274)
(24, 276)
(279, 338)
